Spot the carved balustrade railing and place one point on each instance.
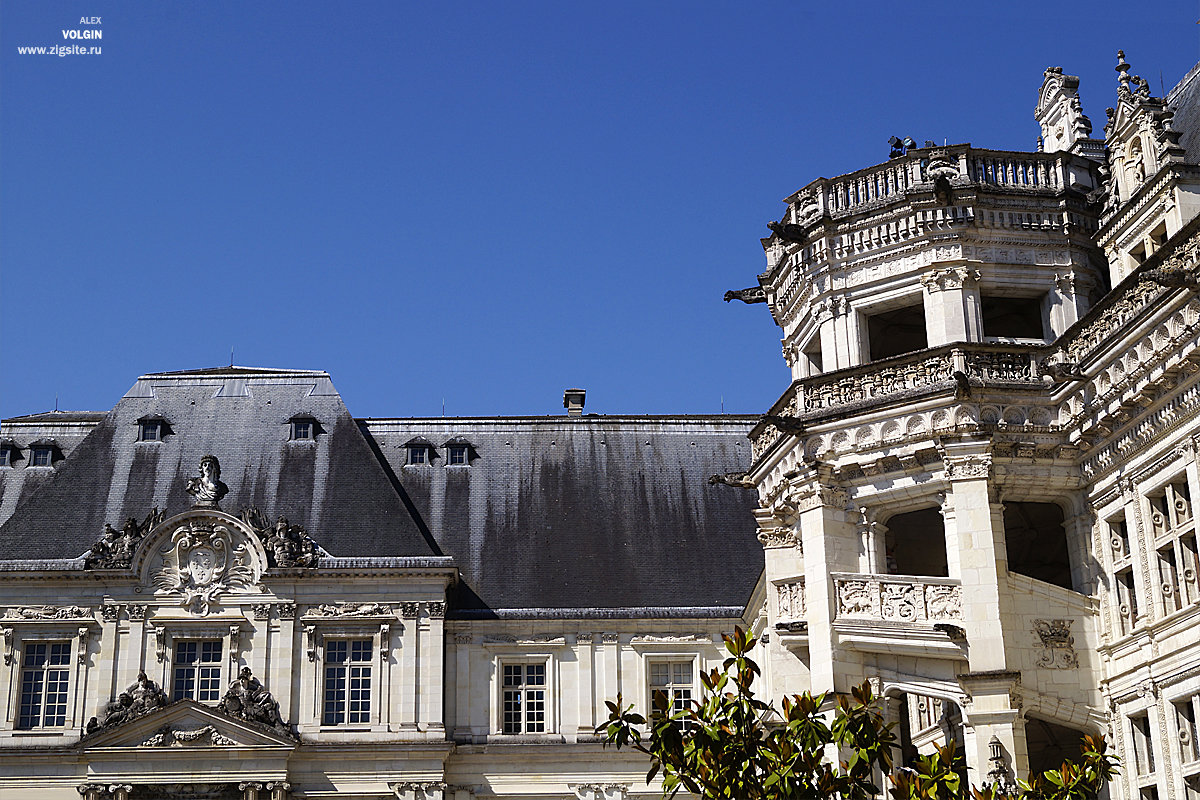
(897, 598)
(960, 164)
(978, 364)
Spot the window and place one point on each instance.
(41, 457)
(901, 330)
(418, 454)
(1185, 720)
(347, 681)
(523, 698)
(673, 678)
(1012, 317)
(150, 431)
(1176, 553)
(456, 454)
(44, 672)
(1143, 746)
(1127, 600)
(197, 672)
(303, 430)
(6, 456)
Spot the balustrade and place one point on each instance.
(897, 598)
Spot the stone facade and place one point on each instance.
(976, 494)
(994, 526)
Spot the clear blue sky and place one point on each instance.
(482, 202)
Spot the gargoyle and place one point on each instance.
(788, 231)
(785, 424)
(962, 385)
(1173, 278)
(1063, 371)
(755, 294)
(735, 479)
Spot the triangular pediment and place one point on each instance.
(185, 724)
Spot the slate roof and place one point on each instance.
(587, 511)
(611, 515)
(333, 486)
(1184, 100)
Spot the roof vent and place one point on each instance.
(573, 401)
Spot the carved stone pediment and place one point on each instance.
(199, 557)
(185, 725)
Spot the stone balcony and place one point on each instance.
(912, 614)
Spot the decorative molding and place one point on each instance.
(436, 609)
(970, 467)
(897, 599)
(1058, 645)
(205, 557)
(49, 612)
(350, 610)
(174, 737)
(410, 610)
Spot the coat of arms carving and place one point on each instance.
(203, 558)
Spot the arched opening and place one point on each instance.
(1036, 542)
(1050, 744)
(915, 544)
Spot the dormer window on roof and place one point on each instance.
(6, 455)
(420, 451)
(459, 452)
(304, 428)
(152, 429)
(41, 456)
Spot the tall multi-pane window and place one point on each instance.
(44, 673)
(1175, 546)
(347, 681)
(524, 698)
(673, 678)
(197, 672)
(1127, 599)
(1187, 710)
(1143, 744)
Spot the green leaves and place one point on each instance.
(729, 745)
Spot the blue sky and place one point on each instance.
(475, 203)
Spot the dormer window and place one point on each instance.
(41, 456)
(459, 452)
(304, 428)
(152, 429)
(6, 456)
(420, 452)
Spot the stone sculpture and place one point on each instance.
(114, 549)
(142, 697)
(207, 488)
(246, 699)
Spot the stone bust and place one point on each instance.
(207, 488)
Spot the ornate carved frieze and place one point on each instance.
(144, 696)
(950, 278)
(169, 736)
(670, 638)
(778, 537)
(789, 598)
(896, 599)
(48, 612)
(110, 612)
(350, 610)
(1058, 645)
(969, 467)
(248, 700)
(437, 610)
(114, 549)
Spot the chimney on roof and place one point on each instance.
(573, 401)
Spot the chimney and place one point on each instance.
(573, 401)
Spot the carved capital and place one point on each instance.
(972, 467)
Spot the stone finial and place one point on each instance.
(207, 488)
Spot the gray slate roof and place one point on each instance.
(333, 486)
(586, 511)
(610, 514)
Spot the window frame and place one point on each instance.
(413, 449)
(219, 681)
(36, 452)
(383, 632)
(6, 456)
(371, 713)
(148, 425)
(64, 697)
(671, 660)
(17, 635)
(549, 699)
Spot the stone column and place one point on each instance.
(993, 708)
(410, 664)
(952, 305)
(431, 709)
(585, 702)
(978, 532)
(830, 545)
(1068, 301)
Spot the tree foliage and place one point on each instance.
(730, 744)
